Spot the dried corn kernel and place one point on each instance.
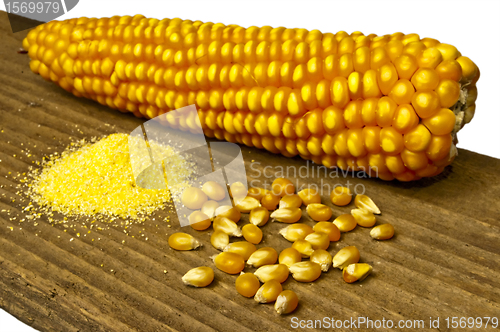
(219, 240)
(323, 258)
(286, 302)
(318, 240)
(363, 217)
(356, 272)
(193, 198)
(382, 232)
(282, 187)
(290, 201)
(257, 193)
(289, 256)
(307, 271)
(229, 212)
(247, 204)
(199, 277)
(346, 256)
(214, 190)
(183, 241)
(319, 212)
(247, 284)
(287, 215)
(243, 248)
(199, 221)
(259, 216)
(237, 191)
(341, 196)
(209, 208)
(365, 202)
(328, 228)
(309, 196)
(278, 272)
(227, 226)
(296, 232)
(268, 292)
(345, 222)
(252, 233)
(263, 256)
(305, 248)
(270, 201)
(229, 262)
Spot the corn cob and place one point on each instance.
(390, 105)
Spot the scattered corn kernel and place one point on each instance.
(323, 258)
(345, 256)
(209, 208)
(270, 201)
(243, 248)
(199, 221)
(278, 272)
(199, 277)
(356, 272)
(365, 202)
(287, 215)
(219, 240)
(305, 248)
(193, 198)
(306, 271)
(341, 196)
(328, 228)
(247, 284)
(229, 262)
(290, 201)
(282, 187)
(309, 196)
(229, 212)
(237, 191)
(382, 232)
(318, 240)
(183, 241)
(286, 302)
(268, 292)
(289, 256)
(296, 232)
(263, 256)
(252, 233)
(257, 193)
(214, 190)
(259, 216)
(227, 226)
(247, 204)
(345, 223)
(364, 217)
(319, 212)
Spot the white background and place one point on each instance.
(472, 26)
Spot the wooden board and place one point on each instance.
(443, 262)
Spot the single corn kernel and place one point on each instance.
(287, 215)
(247, 204)
(309, 196)
(363, 201)
(270, 201)
(227, 226)
(364, 217)
(382, 232)
(263, 256)
(290, 201)
(219, 240)
(183, 241)
(356, 272)
(345, 223)
(229, 212)
(247, 284)
(257, 193)
(243, 248)
(346, 256)
(259, 216)
(282, 187)
(209, 208)
(328, 228)
(199, 277)
(268, 292)
(252, 233)
(214, 190)
(323, 258)
(306, 271)
(278, 272)
(229, 262)
(318, 240)
(296, 232)
(286, 302)
(289, 256)
(305, 248)
(237, 191)
(193, 198)
(341, 196)
(319, 212)
(199, 221)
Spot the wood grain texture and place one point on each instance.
(444, 260)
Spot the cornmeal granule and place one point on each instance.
(97, 179)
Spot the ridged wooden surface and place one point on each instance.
(443, 262)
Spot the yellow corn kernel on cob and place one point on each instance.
(390, 105)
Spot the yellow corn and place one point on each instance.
(296, 232)
(219, 240)
(282, 187)
(319, 212)
(346, 256)
(278, 272)
(214, 190)
(199, 220)
(259, 216)
(257, 193)
(338, 99)
(306, 271)
(193, 198)
(382, 232)
(268, 292)
(209, 208)
(247, 284)
(323, 258)
(290, 201)
(229, 212)
(287, 215)
(341, 196)
(286, 302)
(270, 201)
(345, 222)
(305, 248)
(328, 228)
(227, 226)
(229, 262)
(247, 204)
(365, 202)
(252, 233)
(363, 217)
(318, 240)
(183, 241)
(263, 256)
(289, 256)
(356, 272)
(309, 196)
(199, 277)
(237, 191)
(242, 248)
